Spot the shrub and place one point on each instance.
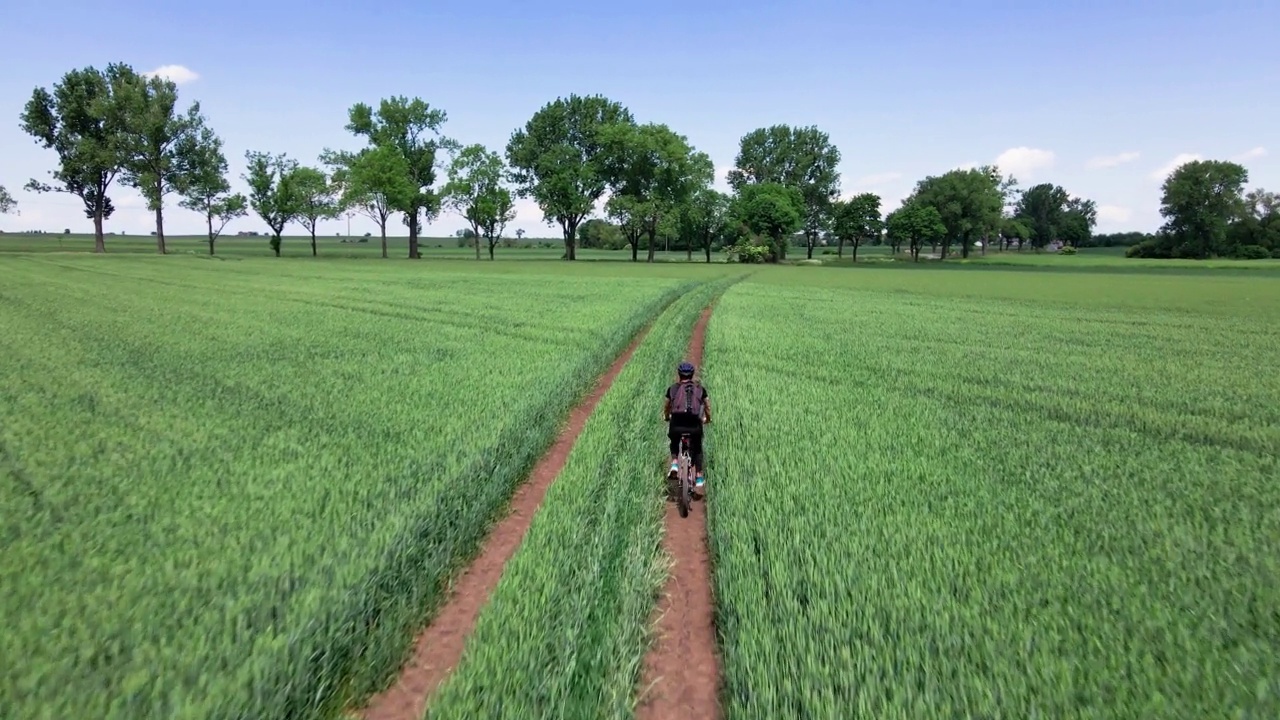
(1067, 250)
(1252, 252)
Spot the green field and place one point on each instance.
(1015, 487)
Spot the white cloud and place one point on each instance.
(1114, 214)
(1110, 161)
(179, 74)
(1163, 171)
(1251, 154)
(1023, 162)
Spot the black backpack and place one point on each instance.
(687, 399)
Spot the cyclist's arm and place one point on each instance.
(666, 410)
(706, 408)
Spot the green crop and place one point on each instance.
(564, 631)
(233, 489)
(935, 504)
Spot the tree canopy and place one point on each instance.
(560, 159)
(802, 158)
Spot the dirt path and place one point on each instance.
(439, 647)
(681, 673)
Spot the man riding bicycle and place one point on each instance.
(685, 408)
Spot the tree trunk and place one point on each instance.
(278, 242)
(209, 219)
(809, 241)
(855, 251)
(571, 241)
(413, 237)
(635, 248)
(160, 231)
(707, 247)
(383, 226)
(492, 243)
(99, 243)
(840, 248)
(652, 240)
(313, 239)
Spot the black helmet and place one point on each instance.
(685, 370)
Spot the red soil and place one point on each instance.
(681, 673)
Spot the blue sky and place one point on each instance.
(1094, 95)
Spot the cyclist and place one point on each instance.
(685, 410)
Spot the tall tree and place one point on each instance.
(970, 203)
(559, 159)
(315, 199)
(475, 192)
(1041, 209)
(7, 203)
(206, 189)
(412, 129)
(80, 121)
(657, 168)
(803, 158)
(856, 220)
(771, 210)
(917, 224)
(271, 195)
(157, 139)
(703, 218)
(367, 179)
(1199, 200)
(1078, 220)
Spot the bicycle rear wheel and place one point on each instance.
(686, 485)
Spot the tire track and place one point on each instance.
(438, 648)
(680, 677)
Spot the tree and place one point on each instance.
(657, 168)
(855, 220)
(703, 218)
(315, 199)
(1013, 228)
(772, 210)
(559, 159)
(599, 233)
(367, 179)
(1199, 200)
(158, 142)
(1078, 221)
(631, 214)
(803, 158)
(79, 120)
(404, 126)
(1041, 209)
(917, 224)
(205, 189)
(271, 194)
(475, 191)
(970, 203)
(7, 203)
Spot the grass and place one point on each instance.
(564, 631)
(979, 495)
(1037, 488)
(230, 490)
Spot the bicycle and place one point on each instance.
(684, 477)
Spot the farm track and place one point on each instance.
(680, 677)
(438, 648)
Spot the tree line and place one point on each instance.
(116, 124)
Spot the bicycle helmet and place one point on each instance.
(685, 370)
